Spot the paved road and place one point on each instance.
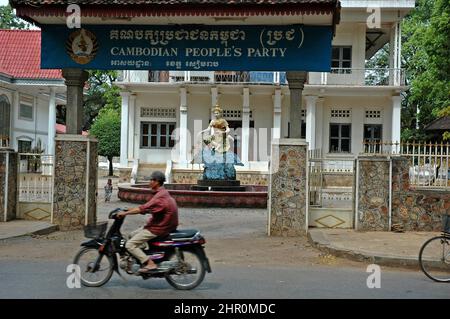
(245, 262)
(48, 280)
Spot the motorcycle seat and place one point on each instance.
(183, 233)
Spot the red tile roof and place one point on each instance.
(20, 55)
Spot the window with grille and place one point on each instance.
(341, 59)
(373, 114)
(24, 146)
(26, 107)
(157, 135)
(158, 112)
(340, 138)
(234, 114)
(340, 113)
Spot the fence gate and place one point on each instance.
(35, 187)
(331, 192)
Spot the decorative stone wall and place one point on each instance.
(75, 200)
(416, 210)
(8, 185)
(373, 194)
(246, 178)
(288, 188)
(92, 182)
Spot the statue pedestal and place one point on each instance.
(218, 185)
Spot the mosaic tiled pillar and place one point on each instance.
(75, 189)
(373, 193)
(8, 185)
(288, 196)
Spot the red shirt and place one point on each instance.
(164, 210)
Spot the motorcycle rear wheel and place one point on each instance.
(89, 276)
(189, 274)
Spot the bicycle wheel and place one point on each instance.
(89, 276)
(434, 258)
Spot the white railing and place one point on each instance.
(429, 162)
(221, 77)
(360, 77)
(35, 178)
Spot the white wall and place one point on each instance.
(199, 109)
(358, 106)
(23, 129)
(154, 100)
(347, 34)
(262, 107)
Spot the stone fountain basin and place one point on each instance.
(254, 196)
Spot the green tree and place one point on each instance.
(425, 52)
(8, 19)
(101, 93)
(106, 128)
(426, 48)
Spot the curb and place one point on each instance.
(43, 231)
(319, 241)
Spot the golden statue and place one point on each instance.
(216, 136)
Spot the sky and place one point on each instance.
(3, 2)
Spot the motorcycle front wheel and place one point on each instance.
(189, 272)
(90, 274)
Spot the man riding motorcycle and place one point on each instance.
(163, 221)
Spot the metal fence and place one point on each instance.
(35, 178)
(429, 162)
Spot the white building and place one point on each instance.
(28, 94)
(341, 108)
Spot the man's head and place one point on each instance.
(157, 179)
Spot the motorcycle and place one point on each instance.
(180, 256)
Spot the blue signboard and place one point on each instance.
(188, 47)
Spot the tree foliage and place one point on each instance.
(8, 19)
(101, 93)
(426, 51)
(425, 58)
(106, 128)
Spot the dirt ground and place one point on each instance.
(234, 236)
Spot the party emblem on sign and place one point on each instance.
(82, 46)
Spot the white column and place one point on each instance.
(131, 126)
(183, 126)
(311, 121)
(319, 123)
(395, 54)
(276, 114)
(214, 100)
(124, 129)
(396, 119)
(15, 111)
(357, 129)
(245, 126)
(51, 122)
